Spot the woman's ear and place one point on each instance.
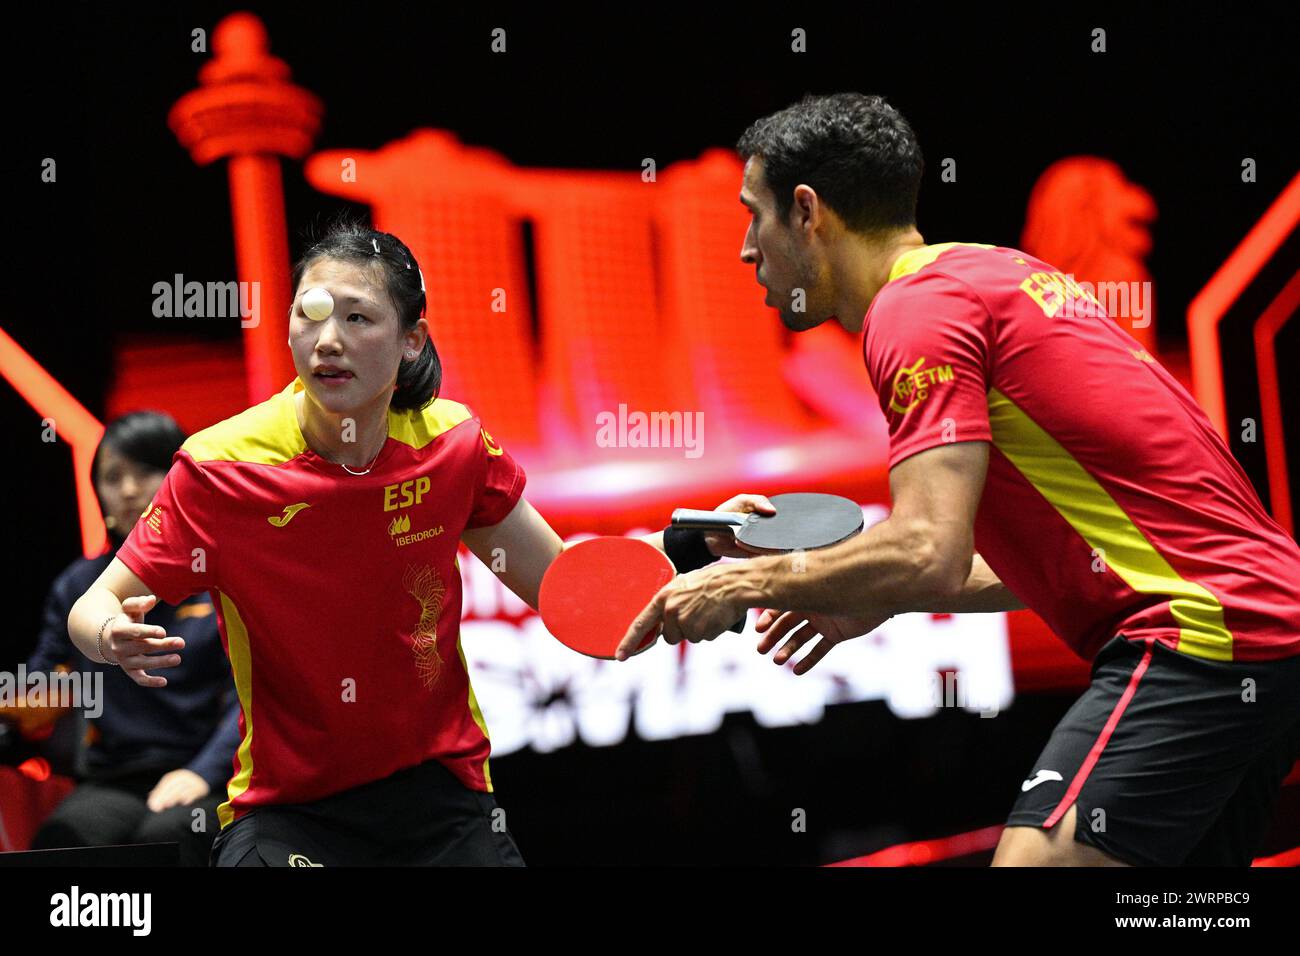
(415, 339)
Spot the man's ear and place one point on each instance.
(806, 206)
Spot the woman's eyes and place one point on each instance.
(357, 315)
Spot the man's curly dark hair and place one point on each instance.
(856, 151)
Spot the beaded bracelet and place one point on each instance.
(103, 658)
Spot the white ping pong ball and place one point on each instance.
(317, 304)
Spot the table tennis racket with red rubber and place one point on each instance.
(593, 591)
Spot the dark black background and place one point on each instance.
(1182, 95)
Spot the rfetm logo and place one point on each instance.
(912, 384)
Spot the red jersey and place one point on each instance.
(338, 596)
(1111, 505)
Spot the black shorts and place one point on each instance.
(1170, 759)
(421, 816)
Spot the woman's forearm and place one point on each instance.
(88, 614)
(518, 550)
(102, 600)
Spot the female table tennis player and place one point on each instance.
(325, 522)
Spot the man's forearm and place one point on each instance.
(893, 566)
(889, 568)
(983, 592)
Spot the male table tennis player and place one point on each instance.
(1038, 456)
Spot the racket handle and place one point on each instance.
(705, 520)
(739, 625)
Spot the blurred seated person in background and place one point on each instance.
(154, 757)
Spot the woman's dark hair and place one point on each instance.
(149, 439)
(418, 380)
(856, 151)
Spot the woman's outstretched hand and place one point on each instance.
(137, 646)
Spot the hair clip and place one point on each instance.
(375, 243)
(420, 271)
